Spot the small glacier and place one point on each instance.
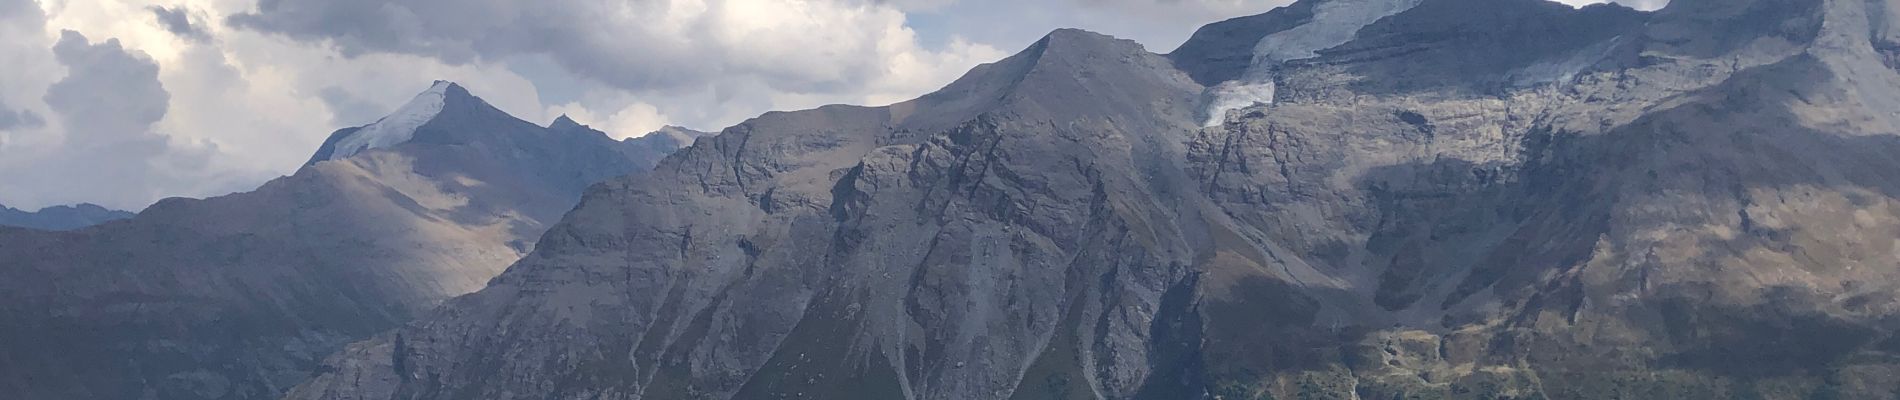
(1334, 23)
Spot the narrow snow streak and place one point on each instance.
(396, 128)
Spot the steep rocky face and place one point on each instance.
(1604, 236)
(239, 296)
(60, 218)
(1690, 203)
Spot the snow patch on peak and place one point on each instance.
(398, 127)
(1334, 23)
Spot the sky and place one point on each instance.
(125, 102)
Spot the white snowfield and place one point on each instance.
(396, 128)
(1334, 23)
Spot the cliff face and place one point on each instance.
(239, 296)
(1467, 199)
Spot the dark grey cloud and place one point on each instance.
(178, 21)
(18, 119)
(583, 36)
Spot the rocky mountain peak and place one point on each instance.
(1056, 70)
(564, 123)
(441, 98)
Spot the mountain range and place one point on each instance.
(239, 296)
(1335, 199)
(1479, 199)
(60, 218)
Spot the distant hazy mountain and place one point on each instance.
(1339, 199)
(61, 218)
(239, 296)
